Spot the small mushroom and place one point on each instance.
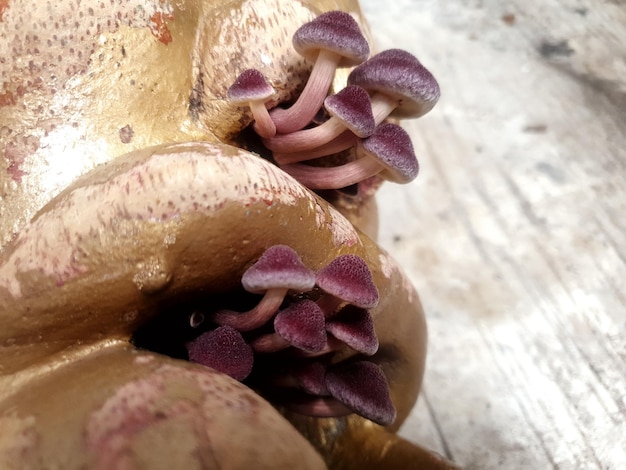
(251, 89)
(350, 109)
(400, 85)
(388, 152)
(224, 350)
(301, 324)
(355, 327)
(347, 278)
(331, 40)
(362, 387)
(277, 271)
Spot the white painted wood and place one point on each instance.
(515, 230)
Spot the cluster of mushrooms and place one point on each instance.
(306, 332)
(392, 83)
(306, 316)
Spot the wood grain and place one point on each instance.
(515, 230)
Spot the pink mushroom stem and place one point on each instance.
(382, 106)
(263, 124)
(306, 139)
(333, 177)
(310, 100)
(297, 147)
(269, 343)
(255, 317)
(349, 109)
(344, 141)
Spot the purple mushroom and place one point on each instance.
(354, 387)
(347, 278)
(400, 85)
(388, 152)
(301, 325)
(349, 109)
(224, 350)
(251, 89)
(342, 142)
(362, 387)
(331, 40)
(355, 327)
(277, 271)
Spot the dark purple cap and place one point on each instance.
(352, 105)
(224, 350)
(362, 387)
(278, 267)
(250, 85)
(302, 325)
(392, 147)
(336, 31)
(350, 279)
(398, 74)
(355, 327)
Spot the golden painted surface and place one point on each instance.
(83, 83)
(90, 250)
(124, 407)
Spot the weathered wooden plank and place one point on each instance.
(515, 231)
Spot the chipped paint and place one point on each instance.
(343, 231)
(18, 440)
(389, 267)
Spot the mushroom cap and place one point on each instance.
(311, 376)
(349, 278)
(353, 107)
(399, 74)
(302, 325)
(392, 147)
(278, 267)
(250, 85)
(224, 350)
(362, 387)
(355, 327)
(336, 31)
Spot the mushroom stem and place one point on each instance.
(333, 177)
(343, 142)
(263, 124)
(382, 106)
(269, 343)
(306, 139)
(313, 143)
(310, 100)
(255, 317)
(224, 350)
(349, 109)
